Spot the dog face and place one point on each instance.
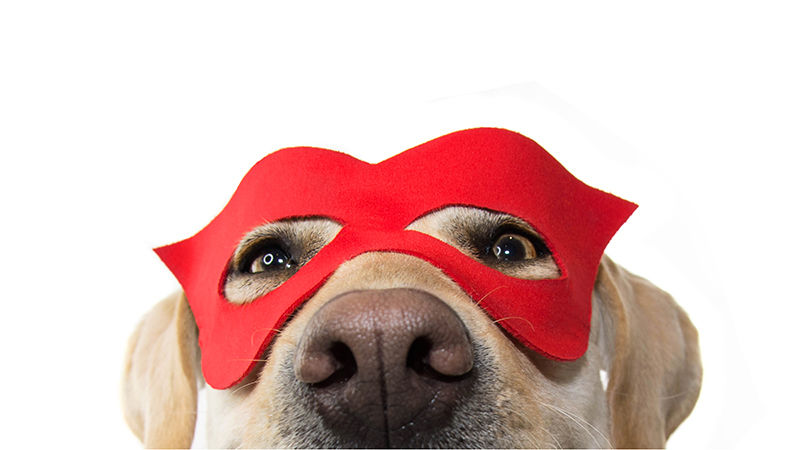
(391, 352)
(376, 205)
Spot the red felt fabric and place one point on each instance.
(489, 168)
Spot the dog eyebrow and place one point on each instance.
(274, 230)
(474, 218)
(458, 219)
(280, 231)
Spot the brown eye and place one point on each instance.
(272, 258)
(513, 247)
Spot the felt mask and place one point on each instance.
(488, 168)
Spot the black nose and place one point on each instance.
(385, 365)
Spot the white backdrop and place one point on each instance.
(127, 125)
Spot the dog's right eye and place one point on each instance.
(270, 258)
(272, 253)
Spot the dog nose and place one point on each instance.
(382, 361)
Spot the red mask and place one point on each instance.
(488, 168)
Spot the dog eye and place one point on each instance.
(270, 258)
(513, 247)
(512, 244)
(270, 254)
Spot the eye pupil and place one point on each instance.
(512, 247)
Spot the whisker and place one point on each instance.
(253, 334)
(563, 413)
(524, 417)
(576, 418)
(244, 386)
(488, 294)
(553, 436)
(517, 317)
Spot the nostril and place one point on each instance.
(418, 356)
(444, 363)
(321, 368)
(345, 365)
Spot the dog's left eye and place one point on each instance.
(513, 247)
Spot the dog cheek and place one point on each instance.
(522, 389)
(263, 412)
(519, 384)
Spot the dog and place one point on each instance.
(390, 351)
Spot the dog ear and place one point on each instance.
(160, 379)
(655, 369)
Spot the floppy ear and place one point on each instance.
(655, 369)
(159, 384)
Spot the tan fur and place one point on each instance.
(657, 372)
(159, 395)
(639, 335)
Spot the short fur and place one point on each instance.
(640, 337)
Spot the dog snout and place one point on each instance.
(379, 362)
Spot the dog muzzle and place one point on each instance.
(486, 168)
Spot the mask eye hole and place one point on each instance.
(271, 253)
(498, 240)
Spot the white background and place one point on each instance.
(127, 125)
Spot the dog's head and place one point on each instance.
(415, 342)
